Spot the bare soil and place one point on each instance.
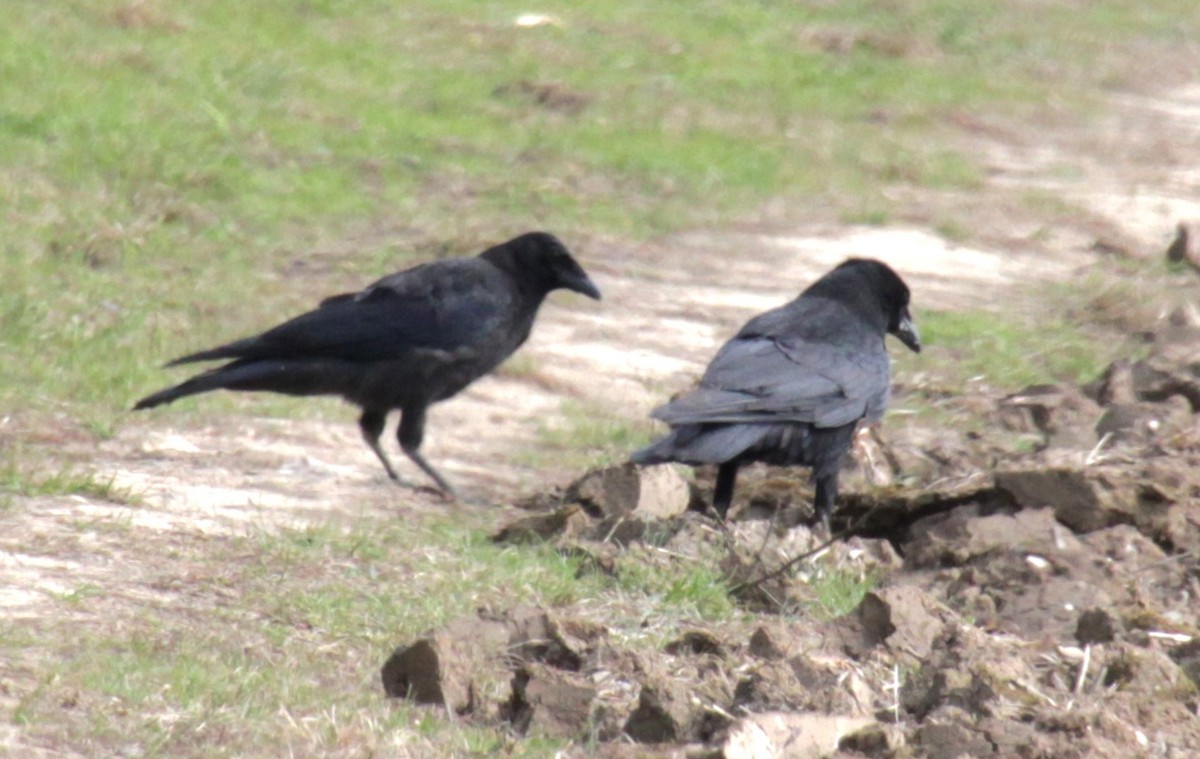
(1016, 626)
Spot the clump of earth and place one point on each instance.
(1028, 603)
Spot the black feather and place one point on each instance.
(792, 385)
(409, 340)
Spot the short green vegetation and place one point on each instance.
(1008, 350)
(174, 173)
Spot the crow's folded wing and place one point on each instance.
(764, 379)
(442, 306)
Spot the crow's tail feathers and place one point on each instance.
(701, 444)
(200, 384)
(235, 376)
(304, 377)
(656, 453)
(241, 349)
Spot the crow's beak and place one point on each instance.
(906, 332)
(581, 283)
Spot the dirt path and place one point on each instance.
(1135, 169)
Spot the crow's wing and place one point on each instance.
(443, 306)
(775, 379)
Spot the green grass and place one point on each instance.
(835, 592)
(584, 435)
(20, 477)
(173, 174)
(164, 160)
(691, 589)
(460, 570)
(297, 657)
(1077, 329)
(1009, 351)
(276, 638)
(172, 693)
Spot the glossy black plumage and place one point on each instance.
(405, 342)
(790, 388)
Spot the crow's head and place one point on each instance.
(541, 260)
(875, 287)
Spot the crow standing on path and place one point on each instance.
(792, 385)
(406, 342)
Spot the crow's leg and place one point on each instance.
(723, 494)
(371, 423)
(824, 500)
(410, 434)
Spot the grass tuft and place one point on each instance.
(583, 435)
(22, 479)
(1006, 350)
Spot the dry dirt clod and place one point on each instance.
(778, 639)
(665, 714)
(642, 751)
(1082, 500)
(1139, 423)
(1187, 656)
(1095, 626)
(568, 521)
(465, 664)
(962, 536)
(1186, 316)
(593, 557)
(903, 618)
(1114, 385)
(1046, 607)
(658, 492)
(821, 683)
(696, 643)
(875, 739)
(765, 645)
(780, 735)
(1171, 369)
(951, 740)
(969, 669)
(615, 504)
(551, 702)
(1148, 673)
(445, 668)
(1064, 416)
(1186, 245)
(1157, 494)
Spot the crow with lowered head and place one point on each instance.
(405, 342)
(791, 387)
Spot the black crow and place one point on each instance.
(408, 341)
(792, 385)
